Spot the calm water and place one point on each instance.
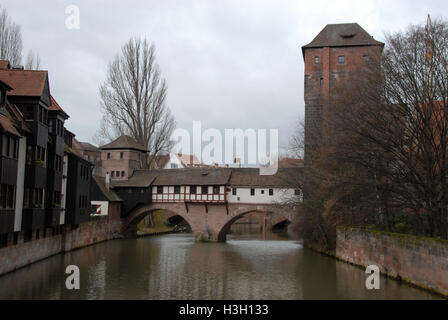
(175, 267)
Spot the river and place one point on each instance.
(174, 266)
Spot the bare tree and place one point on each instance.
(32, 61)
(297, 141)
(382, 158)
(133, 99)
(10, 39)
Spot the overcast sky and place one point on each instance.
(230, 64)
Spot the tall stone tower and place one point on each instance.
(335, 53)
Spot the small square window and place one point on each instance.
(341, 59)
(122, 173)
(262, 191)
(204, 189)
(316, 59)
(176, 189)
(234, 191)
(271, 192)
(252, 192)
(193, 189)
(159, 189)
(108, 155)
(215, 189)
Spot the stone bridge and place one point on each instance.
(209, 222)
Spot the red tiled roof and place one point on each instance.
(242, 177)
(25, 82)
(176, 177)
(16, 116)
(124, 142)
(56, 107)
(188, 160)
(7, 125)
(341, 35)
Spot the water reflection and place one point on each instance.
(175, 267)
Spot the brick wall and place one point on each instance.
(420, 261)
(323, 83)
(24, 253)
(98, 229)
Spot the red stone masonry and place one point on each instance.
(420, 261)
(322, 79)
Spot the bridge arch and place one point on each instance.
(239, 213)
(129, 226)
(209, 222)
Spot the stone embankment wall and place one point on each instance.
(420, 261)
(23, 253)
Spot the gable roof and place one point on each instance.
(188, 160)
(342, 35)
(124, 142)
(56, 107)
(25, 82)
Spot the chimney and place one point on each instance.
(107, 181)
(4, 64)
(237, 162)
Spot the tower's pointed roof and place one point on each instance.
(343, 35)
(124, 142)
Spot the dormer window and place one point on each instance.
(347, 35)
